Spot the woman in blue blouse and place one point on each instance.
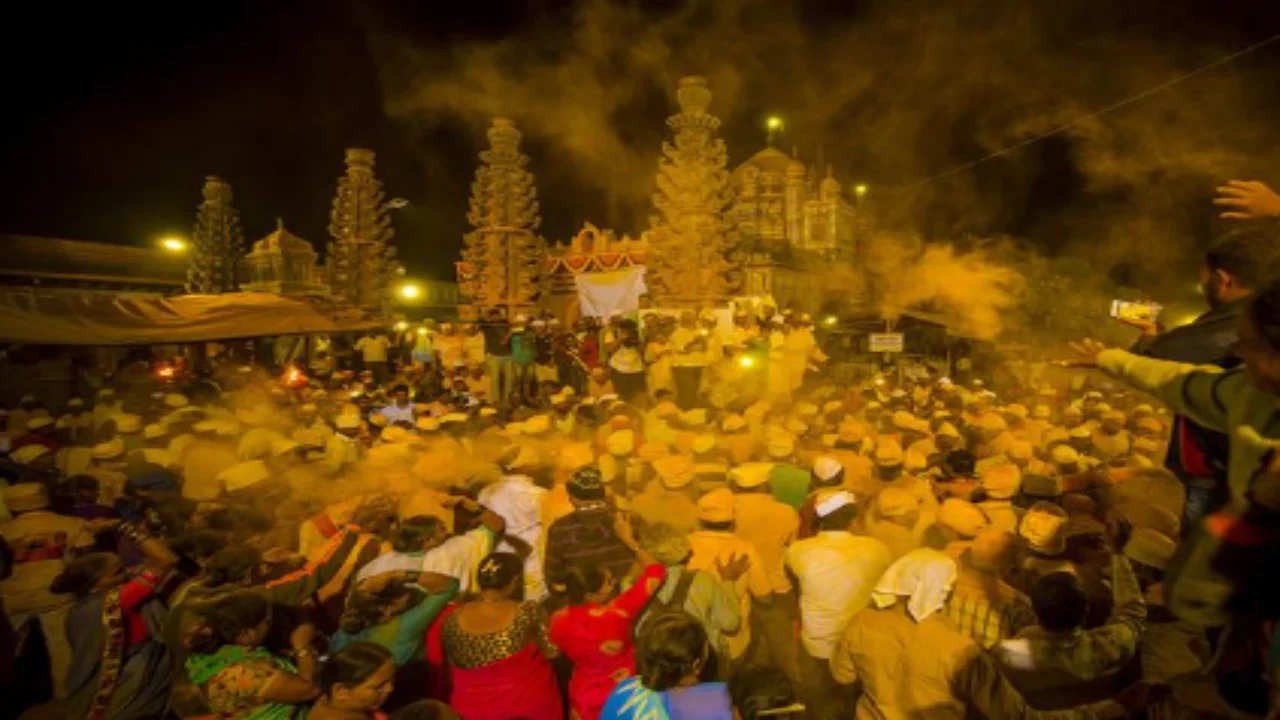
(670, 656)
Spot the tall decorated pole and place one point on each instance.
(502, 257)
(362, 264)
(217, 243)
(692, 256)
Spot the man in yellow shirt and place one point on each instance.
(770, 526)
(714, 546)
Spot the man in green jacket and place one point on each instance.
(1213, 575)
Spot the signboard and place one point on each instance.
(884, 342)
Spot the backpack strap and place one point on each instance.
(681, 593)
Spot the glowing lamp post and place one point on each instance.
(409, 292)
(774, 125)
(173, 244)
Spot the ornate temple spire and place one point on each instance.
(217, 242)
(692, 255)
(362, 263)
(502, 258)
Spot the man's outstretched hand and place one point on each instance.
(1248, 200)
(1086, 351)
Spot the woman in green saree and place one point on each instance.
(237, 677)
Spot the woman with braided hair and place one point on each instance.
(671, 654)
(119, 668)
(498, 649)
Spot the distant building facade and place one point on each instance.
(781, 204)
(791, 224)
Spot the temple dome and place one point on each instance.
(281, 240)
(769, 160)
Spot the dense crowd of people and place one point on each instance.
(662, 519)
(687, 357)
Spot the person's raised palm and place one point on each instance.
(1087, 352)
(1248, 200)
(734, 569)
(622, 528)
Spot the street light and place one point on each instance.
(860, 190)
(173, 244)
(830, 320)
(410, 291)
(773, 123)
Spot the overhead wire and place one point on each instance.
(1110, 108)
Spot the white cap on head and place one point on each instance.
(826, 468)
(833, 502)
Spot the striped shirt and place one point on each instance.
(987, 620)
(586, 537)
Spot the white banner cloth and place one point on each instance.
(604, 293)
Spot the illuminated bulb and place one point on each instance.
(401, 326)
(747, 361)
(422, 330)
(860, 190)
(410, 291)
(830, 320)
(774, 123)
(173, 244)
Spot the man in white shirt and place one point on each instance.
(342, 449)
(518, 501)
(423, 544)
(690, 345)
(400, 409)
(373, 348)
(836, 572)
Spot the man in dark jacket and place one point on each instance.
(1240, 262)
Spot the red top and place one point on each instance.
(598, 639)
(134, 593)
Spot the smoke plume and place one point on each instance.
(892, 93)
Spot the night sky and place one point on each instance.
(115, 113)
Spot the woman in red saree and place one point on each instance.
(498, 650)
(597, 632)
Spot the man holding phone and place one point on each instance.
(1240, 262)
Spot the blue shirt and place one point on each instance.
(631, 700)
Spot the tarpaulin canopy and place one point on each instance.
(36, 316)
